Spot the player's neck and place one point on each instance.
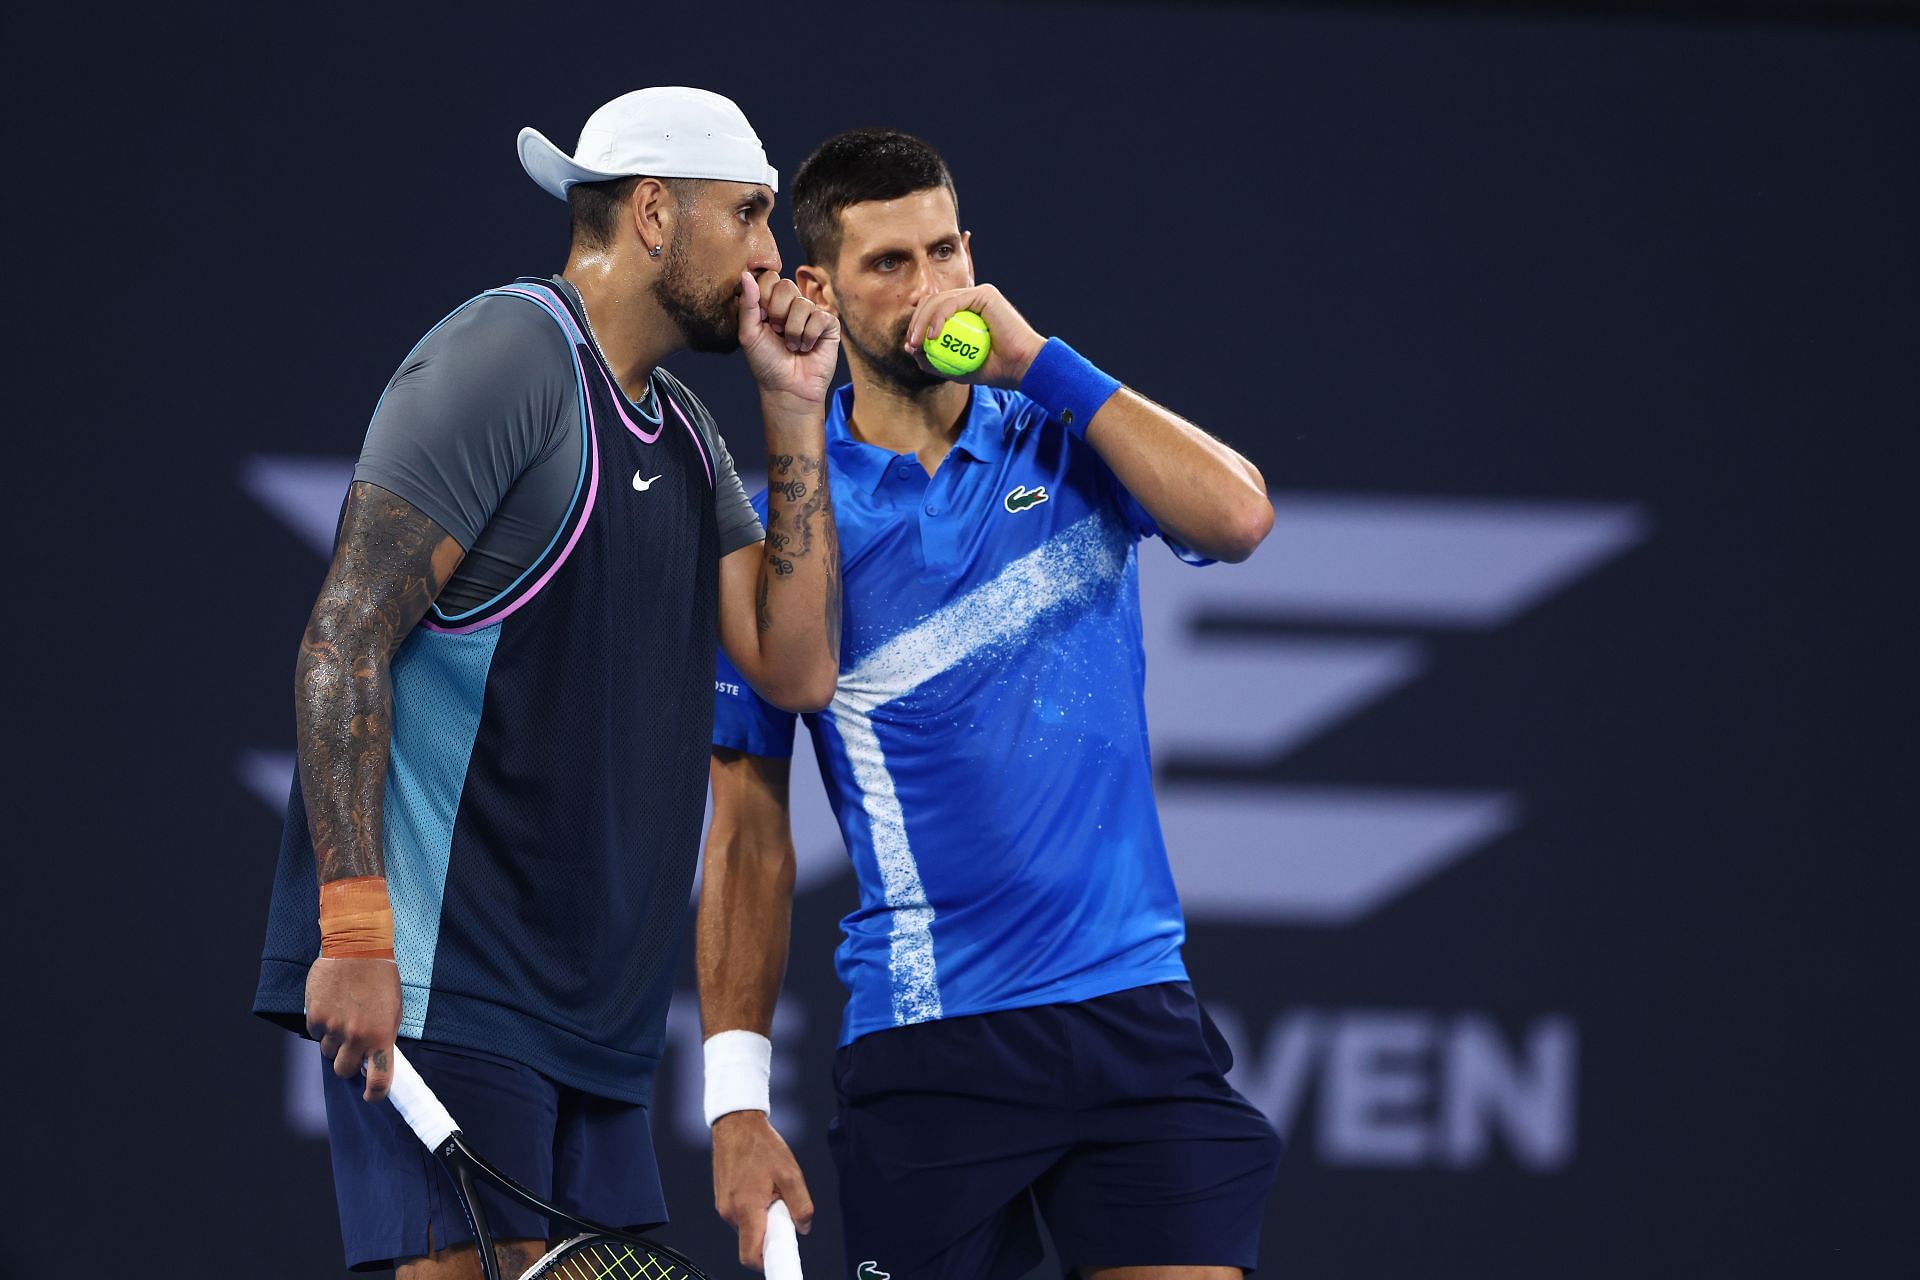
(922, 420)
(623, 319)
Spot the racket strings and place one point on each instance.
(614, 1260)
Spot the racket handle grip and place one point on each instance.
(417, 1105)
(780, 1255)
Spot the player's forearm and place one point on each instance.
(343, 702)
(796, 658)
(746, 907)
(1201, 493)
(389, 564)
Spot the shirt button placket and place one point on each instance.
(936, 539)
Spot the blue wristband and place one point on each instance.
(1067, 385)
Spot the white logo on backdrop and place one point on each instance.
(1327, 620)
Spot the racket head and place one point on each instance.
(593, 1256)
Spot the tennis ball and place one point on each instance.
(961, 345)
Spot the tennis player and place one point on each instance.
(504, 692)
(1019, 1031)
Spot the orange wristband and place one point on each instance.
(356, 920)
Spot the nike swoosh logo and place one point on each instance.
(642, 485)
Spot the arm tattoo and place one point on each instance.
(389, 564)
(798, 496)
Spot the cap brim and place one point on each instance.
(553, 168)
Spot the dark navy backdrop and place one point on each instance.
(1537, 791)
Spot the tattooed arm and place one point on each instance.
(389, 564)
(780, 600)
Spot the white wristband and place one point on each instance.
(739, 1073)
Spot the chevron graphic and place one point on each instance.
(1332, 855)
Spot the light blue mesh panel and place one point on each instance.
(439, 686)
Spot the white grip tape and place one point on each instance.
(417, 1105)
(739, 1073)
(780, 1255)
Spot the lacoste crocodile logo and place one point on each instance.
(871, 1271)
(1022, 497)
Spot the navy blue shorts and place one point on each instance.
(1112, 1117)
(589, 1154)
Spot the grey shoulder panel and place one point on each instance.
(474, 430)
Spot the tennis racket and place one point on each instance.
(598, 1252)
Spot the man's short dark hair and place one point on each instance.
(853, 168)
(597, 207)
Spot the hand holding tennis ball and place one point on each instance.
(973, 335)
(961, 346)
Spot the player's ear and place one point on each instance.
(651, 210)
(816, 286)
(966, 251)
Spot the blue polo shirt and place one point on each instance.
(986, 752)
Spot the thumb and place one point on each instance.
(750, 317)
(791, 1187)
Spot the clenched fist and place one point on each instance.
(791, 345)
(353, 1010)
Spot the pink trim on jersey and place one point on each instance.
(620, 407)
(593, 481)
(593, 491)
(699, 445)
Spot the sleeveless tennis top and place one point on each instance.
(546, 780)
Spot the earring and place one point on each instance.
(654, 251)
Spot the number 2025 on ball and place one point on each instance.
(961, 346)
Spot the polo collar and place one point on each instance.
(984, 438)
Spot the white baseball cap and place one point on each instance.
(667, 132)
